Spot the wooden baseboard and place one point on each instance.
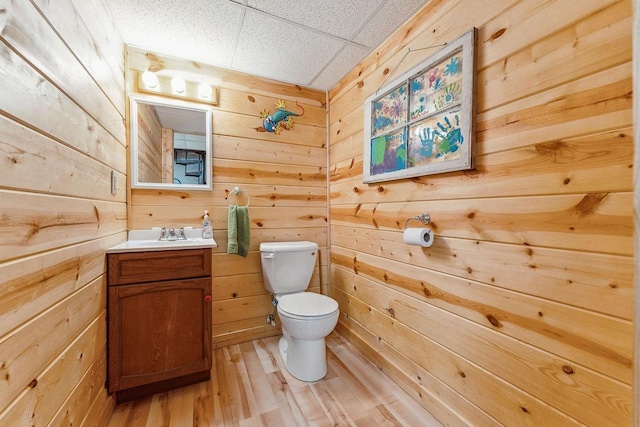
(245, 335)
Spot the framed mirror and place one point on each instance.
(170, 145)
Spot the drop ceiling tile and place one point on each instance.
(344, 62)
(200, 30)
(239, 34)
(389, 18)
(337, 17)
(270, 48)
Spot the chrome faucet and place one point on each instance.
(163, 234)
(181, 235)
(172, 234)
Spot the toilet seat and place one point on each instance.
(307, 305)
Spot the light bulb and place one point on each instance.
(150, 79)
(204, 91)
(178, 85)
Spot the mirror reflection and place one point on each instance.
(170, 145)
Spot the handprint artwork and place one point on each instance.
(435, 139)
(426, 136)
(437, 88)
(422, 123)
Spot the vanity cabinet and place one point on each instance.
(159, 320)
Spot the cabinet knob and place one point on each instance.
(207, 298)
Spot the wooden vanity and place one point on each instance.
(159, 320)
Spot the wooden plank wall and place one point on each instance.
(521, 312)
(284, 175)
(636, 205)
(62, 134)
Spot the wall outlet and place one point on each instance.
(113, 182)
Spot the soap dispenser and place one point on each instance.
(207, 232)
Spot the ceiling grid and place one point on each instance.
(309, 43)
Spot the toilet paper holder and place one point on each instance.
(425, 219)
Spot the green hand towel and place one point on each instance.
(244, 239)
(238, 231)
(232, 230)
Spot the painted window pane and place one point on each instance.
(437, 88)
(435, 139)
(389, 111)
(389, 152)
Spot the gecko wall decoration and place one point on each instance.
(280, 119)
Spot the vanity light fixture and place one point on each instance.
(176, 87)
(150, 79)
(204, 91)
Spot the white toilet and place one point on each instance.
(306, 317)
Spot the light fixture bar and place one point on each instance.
(191, 91)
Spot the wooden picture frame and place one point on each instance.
(423, 122)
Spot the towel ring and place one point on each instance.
(236, 192)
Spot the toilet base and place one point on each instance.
(304, 359)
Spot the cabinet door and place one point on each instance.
(158, 331)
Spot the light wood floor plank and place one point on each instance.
(157, 411)
(250, 387)
(134, 414)
(366, 372)
(311, 408)
(384, 417)
(272, 418)
(203, 404)
(347, 398)
(215, 394)
(365, 395)
(250, 405)
(265, 402)
(224, 389)
(287, 402)
(332, 407)
(237, 398)
(268, 359)
(409, 415)
(180, 407)
(367, 421)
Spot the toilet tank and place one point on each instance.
(287, 266)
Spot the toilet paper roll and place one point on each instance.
(418, 237)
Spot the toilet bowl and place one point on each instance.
(306, 317)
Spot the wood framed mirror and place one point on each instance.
(170, 145)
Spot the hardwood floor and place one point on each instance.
(251, 387)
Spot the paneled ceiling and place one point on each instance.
(312, 43)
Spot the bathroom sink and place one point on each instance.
(147, 240)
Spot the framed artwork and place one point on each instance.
(423, 122)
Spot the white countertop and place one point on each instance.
(147, 240)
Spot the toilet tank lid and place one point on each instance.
(288, 246)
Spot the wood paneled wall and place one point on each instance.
(285, 177)
(636, 205)
(62, 134)
(521, 312)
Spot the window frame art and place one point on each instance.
(423, 122)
